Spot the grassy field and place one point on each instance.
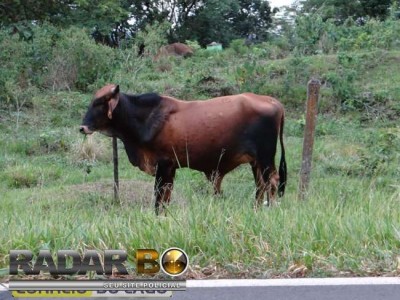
(56, 188)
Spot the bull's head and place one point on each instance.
(99, 113)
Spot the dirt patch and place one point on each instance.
(130, 192)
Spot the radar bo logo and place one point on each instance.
(173, 262)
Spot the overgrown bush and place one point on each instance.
(372, 35)
(342, 80)
(268, 50)
(312, 35)
(152, 38)
(380, 156)
(52, 58)
(77, 62)
(193, 44)
(17, 68)
(239, 47)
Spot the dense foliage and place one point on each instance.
(204, 21)
(340, 10)
(69, 59)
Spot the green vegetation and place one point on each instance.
(56, 186)
(61, 199)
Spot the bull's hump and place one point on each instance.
(105, 90)
(262, 103)
(259, 98)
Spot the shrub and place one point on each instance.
(52, 58)
(372, 35)
(77, 62)
(23, 61)
(193, 44)
(342, 80)
(22, 177)
(250, 76)
(270, 51)
(380, 156)
(152, 38)
(239, 47)
(16, 72)
(308, 31)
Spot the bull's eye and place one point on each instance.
(97, 104)
(99, 101)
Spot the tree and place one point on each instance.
(202, 20)
(376, 8)
(211, 22)
(106, 19)
(16, 11)
(340, 10)
(253, 16)
(103, 14)
(225, 20)
(173, 11)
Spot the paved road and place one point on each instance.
(304, 289)
(293, 293)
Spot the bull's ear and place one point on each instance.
(115, 90)
(113, 102)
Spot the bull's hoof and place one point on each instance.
(161, 211)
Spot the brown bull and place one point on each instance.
(215, 136)
(177, 49)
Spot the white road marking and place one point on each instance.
(282, 282)
(293, 282)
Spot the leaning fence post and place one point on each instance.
(115, 161)
(308, 143)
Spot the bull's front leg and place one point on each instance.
(165, 174)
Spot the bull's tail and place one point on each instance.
(282, 164)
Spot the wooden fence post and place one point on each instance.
(309, 130)
(115, 161)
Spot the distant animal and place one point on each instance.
(176, 49)
(162, 134)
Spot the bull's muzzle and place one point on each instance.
(85, 130)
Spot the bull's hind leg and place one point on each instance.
(271, 179)
(215, 177)
(163, 185)
(260, 184)
(266, 162)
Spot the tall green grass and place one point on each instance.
(344, 226)
(349, 224)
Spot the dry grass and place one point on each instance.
(92, 148)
